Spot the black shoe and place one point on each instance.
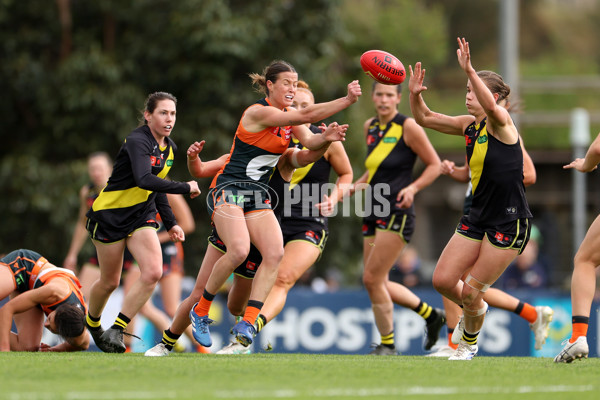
(97, 336)
(112, 341)
(433, 328)
(383, 350)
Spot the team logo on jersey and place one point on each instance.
(482, 139)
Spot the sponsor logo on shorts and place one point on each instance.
(311, 236)
(511, 210)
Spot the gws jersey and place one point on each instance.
(254, 155)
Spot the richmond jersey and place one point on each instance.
(496, 178)
(254, 154)
(390, 164)
(308, 186)
(137, 185)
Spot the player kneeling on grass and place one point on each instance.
(38, 288)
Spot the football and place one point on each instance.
(383, 67)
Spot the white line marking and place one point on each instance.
(411, 390)
(288, 393)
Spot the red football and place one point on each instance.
(383, 67)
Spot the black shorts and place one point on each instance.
(246, 269)
(106, 234)
(128, 260)
(302, 230)
(511, 235)
(249, 196)
(401, 223)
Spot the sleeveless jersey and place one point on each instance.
(309, 185)
(26, 267)
(389, 162)
(277, 186)
(254, 155)
(496, 178)
(123, 204)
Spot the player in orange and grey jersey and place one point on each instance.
(37, 289)
(266, 126)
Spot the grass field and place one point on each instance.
(91, 375)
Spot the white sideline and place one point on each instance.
(287, 393)
(410, 390)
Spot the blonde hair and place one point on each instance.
(302, 85)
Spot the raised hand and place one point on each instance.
(415, 83)
(195, 149)
(354, 91)
(464, 55)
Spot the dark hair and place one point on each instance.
(69, 320)
(152, 101)
(375, 83)
(270, 73)
(495, 83)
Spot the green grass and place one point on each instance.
(75, 376)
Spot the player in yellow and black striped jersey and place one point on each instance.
(498, 225)
(126, 208)
(394, 142)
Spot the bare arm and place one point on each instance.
(256, 119)
(22, 302)
(199, 168)
(340, 162)
(459, 174)
(591, 160)
(498, 119)
(529, 173)
(417, 140)
(427, 118)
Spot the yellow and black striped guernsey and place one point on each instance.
(389, 162)
(137, 185)
(496, 177)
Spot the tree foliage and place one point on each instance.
(74, 76)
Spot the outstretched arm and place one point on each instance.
(591, 160)
(498, 117)
(424, 116)
(199, 168)
(417, 140)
